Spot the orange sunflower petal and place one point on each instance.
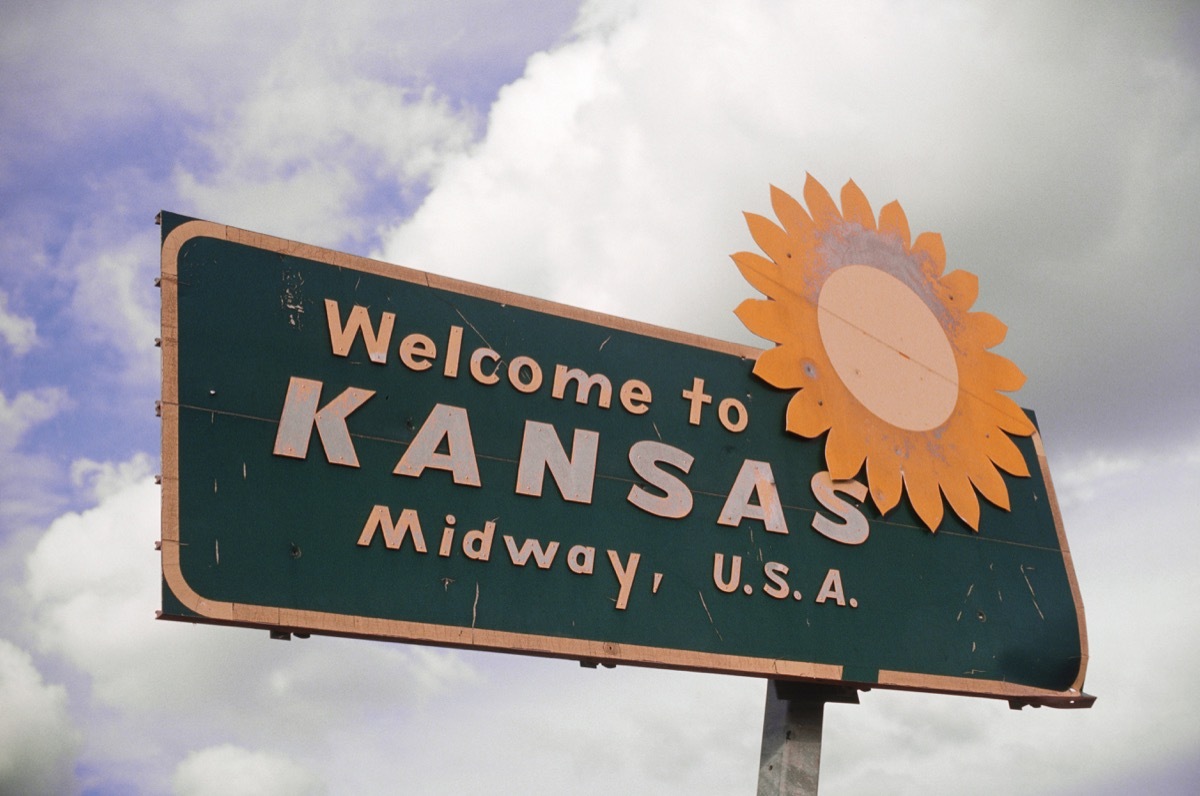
(986, 330)
(770, 238)
(930, 244)
(922, 487)
(1007, 414)
(845, 451)
(856, 208)
(885, 481)
(766, 318)
(1004, 452)
(793, 217)
(956, 486)
(1001, 373)
(962, 288)
(805, 417)
(892, 221)
(764, 275)
(780, 367)
(989, 482)
(824, 212)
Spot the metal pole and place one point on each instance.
(790, 761)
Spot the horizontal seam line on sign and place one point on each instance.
(982, 538)
(607, 477)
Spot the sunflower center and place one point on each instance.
(888, 347)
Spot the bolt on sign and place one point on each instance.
(359, 449)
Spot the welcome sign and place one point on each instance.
(355, 448)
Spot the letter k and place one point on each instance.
(300, 412)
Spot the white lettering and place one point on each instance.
(676, 500)
(855, 528)
(625, 574)
(735, 573)
(543, 557)
(451, 424)
(581, 559)
(542, 449)
(478, 544)
(583, 385)
(342, 337)
(832, 587)
(300, 413)
(393, 533)
(754, 478)
(774, 572)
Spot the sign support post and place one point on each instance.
(790, 761)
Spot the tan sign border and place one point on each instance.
(260, 616)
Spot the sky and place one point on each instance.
(598, 154)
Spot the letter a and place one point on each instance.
(449, 423)
(754, 477)
(832, 588)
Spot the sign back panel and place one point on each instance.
(360, 449)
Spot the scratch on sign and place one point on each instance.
(710, 619)
(473, 329)
(1032, 593)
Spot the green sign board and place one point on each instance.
(359, 449)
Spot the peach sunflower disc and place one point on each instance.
(884, 353)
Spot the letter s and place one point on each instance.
(676, 501)
(855, 529)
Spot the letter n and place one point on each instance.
(542, 449)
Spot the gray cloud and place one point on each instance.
(1056, 153)
(225, 770)
(38, 741)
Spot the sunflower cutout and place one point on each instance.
(883, 353)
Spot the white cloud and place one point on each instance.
(78, 73)
(29, 483)
(94, 583)
(308, 152)
(19, 332)
(27, 410)
(92, 588)
(1132, 548)
(26, 479)
(37, 738)
(103, 480)
(227, 770)
(114, 302)
(325, 149)
(91, 581)
(613, 173)
(547, 727)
